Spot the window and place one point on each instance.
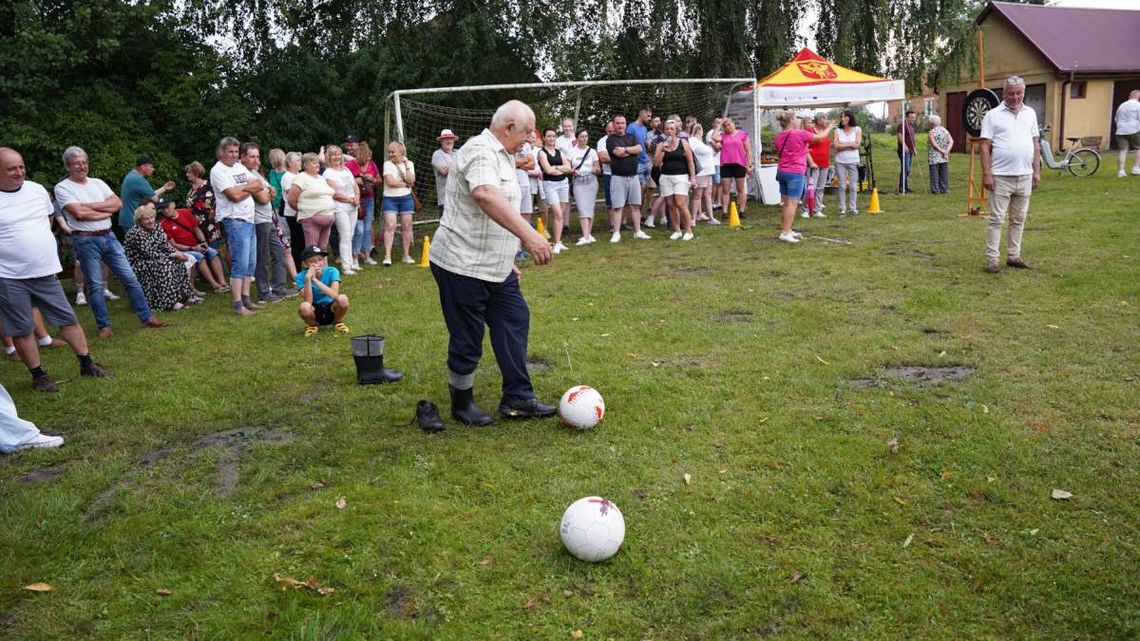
(929, 106)
(1077, 90)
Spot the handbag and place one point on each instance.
(417, 206)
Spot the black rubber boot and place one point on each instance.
(464, 409)
(370, 369)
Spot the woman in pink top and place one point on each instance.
(792, 148)
(735, 163)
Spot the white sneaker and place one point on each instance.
(789, 237)
(804, 214)
(1121, 174)
(408, 260)
(675, 235)
(109, 295)
(348, 272)
(640, 235)
(370, 261)
(648, 223)
(713, 221)
(615, 237)
(797, 234)
(585, 240)
(42, 440)
(559, 248)
(80, 299)
(1136, 170)
(701, 217)
(842, 213)
(592, 239)
(854, 212)
(820, 214)
(687, 236)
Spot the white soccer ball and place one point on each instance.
(582, 407)
(592, 529)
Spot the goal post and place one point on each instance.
(415, 117)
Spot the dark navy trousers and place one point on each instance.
(468, 304)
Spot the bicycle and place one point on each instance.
(1081, 161)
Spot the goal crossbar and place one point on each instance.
(570, 84)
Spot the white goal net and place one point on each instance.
(416, 116)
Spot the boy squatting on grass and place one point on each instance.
(320, 287)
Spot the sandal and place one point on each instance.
(222, 289)
(310, 330)
(341, 328)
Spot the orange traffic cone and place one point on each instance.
(541, 228)
(424, 262)
(733, 216)
(874, 209)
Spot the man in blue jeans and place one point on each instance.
(234, 188)
(88, 205)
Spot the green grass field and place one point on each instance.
(216, 459)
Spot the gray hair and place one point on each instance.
(228, 141)
(511, 111)
(291, 157)
(1015, 81)
(71, 153)
(934, 120)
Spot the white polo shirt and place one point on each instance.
(1014, 137)
(27, 246)
(221, 179)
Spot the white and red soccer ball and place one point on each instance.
(582, 407)
(592, 529)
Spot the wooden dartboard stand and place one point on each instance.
(975, 192)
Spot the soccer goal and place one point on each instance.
(416, 116)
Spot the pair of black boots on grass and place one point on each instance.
(464, 410)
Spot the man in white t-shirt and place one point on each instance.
(88, 206)
(234, 187)
(29, 263)
(1011, 170)
(1128, 132)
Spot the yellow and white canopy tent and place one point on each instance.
(809, 80)
(806, 81)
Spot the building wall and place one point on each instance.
(1091, 115)
(1006, 53)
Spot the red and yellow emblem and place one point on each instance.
(817, 70)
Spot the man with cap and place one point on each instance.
(351, 145)
(322, 303)
(442, 161)
(88, 205)
(136, 191)
(472, 260)
(29, 263)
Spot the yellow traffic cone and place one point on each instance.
(540, 228)
(733, 216)
(874, 209)
(424, 262)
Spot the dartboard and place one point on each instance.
(978, 102)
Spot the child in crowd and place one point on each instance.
(319, 283)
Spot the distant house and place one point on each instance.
(1078, 65)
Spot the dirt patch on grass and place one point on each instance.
(45, 475)
(734, 316)
(315, 391)
(911, 252)
(232, 444)
(691, 271)
(934, 331)
(537, 365)
(400, 602)
(916, 375)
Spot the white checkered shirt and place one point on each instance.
(468, 242)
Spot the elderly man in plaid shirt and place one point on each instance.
(472, 259)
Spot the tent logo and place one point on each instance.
(817, 70)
